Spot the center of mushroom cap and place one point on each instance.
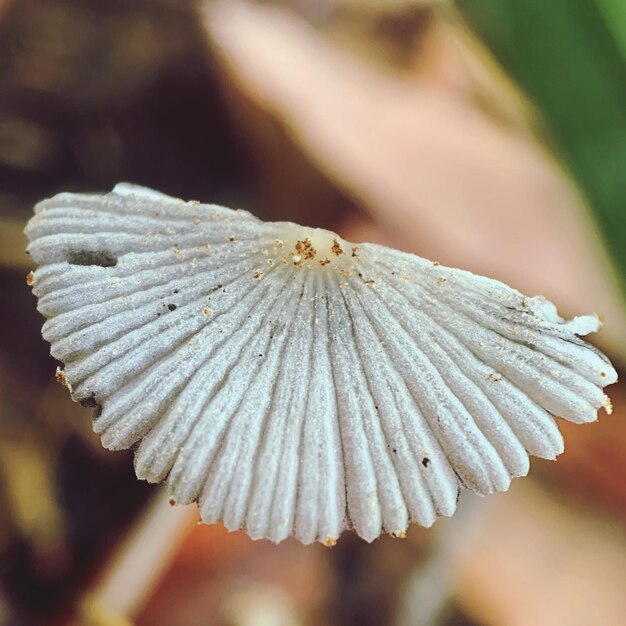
(316, 248)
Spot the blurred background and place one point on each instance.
(486, 134)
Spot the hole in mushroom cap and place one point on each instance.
(89, 401)
(103, 258)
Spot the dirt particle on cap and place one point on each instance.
(336, 248)
(257, 274)
(305, 248)
(324, 262)
(329, 542)
(61, 378)
(30, 279)
(207, 310)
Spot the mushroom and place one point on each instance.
(294, 383)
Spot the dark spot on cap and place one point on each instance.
(102, 258)
(425, 461)
(172, 307)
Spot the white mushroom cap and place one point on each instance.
(291, 382)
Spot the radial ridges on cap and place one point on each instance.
(292, 382)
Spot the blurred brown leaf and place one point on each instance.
(437, 175)
(13, 245)
(537, 560)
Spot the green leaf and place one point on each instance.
(569, 56)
